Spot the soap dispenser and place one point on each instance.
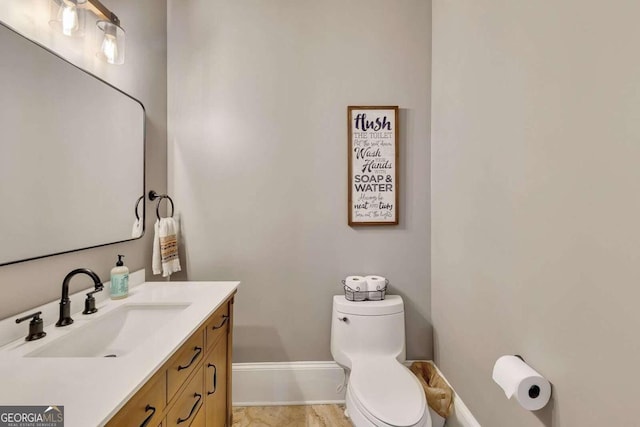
(119, 280)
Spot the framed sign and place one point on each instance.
(373, 165)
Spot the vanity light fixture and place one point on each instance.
(111, 37)
(69, 17)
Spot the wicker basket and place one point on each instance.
(357, 296)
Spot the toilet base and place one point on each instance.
(357, 418)
(360, 420)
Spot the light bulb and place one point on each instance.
(111, 42)
(110, 48)
(69, 19)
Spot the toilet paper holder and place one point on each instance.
(521, 382)
(358, 296)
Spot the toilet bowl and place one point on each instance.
(368, 340)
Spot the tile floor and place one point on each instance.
(290, 416)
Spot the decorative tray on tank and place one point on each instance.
(357, 296)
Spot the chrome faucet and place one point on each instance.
(65, 303)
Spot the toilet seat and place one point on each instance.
(387, 393)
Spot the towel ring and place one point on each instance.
(138, 204)
(153, 195)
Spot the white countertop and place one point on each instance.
(92, 390)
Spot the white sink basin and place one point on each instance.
(113, 335)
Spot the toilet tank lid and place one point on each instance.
(392, 304)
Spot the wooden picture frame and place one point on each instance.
(373, 165)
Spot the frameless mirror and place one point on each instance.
(71, 155)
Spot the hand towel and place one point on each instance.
(165, 247)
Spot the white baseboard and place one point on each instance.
(306, 383)
(288, 383)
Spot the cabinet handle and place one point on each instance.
(215, 378)
(193, 359)
(193, 409)
(148, 419)
(225, 317)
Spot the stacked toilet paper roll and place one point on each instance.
(358, 284)
(375, 284)
(516, 378)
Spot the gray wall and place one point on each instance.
(535, 185)
(258, 93)
(143, 76)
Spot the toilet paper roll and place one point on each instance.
(518, 379)
(375, 283)
(358, 284)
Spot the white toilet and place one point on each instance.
(367, 338)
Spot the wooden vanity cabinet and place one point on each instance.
(184, 363)
(193, 388)
(188, 402)
(145, 409)
(200, 420)
(216, 386)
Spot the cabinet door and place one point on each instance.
(199, 420)
(145, 408)
(180, 366)
(215, 384)
(188, 403)
(218, 325)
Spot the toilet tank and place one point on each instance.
(367, 328)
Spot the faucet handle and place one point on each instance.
(90, 302)
(35, 316)
(90, 294)
(36, 326)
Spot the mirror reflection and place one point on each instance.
(71, 156)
